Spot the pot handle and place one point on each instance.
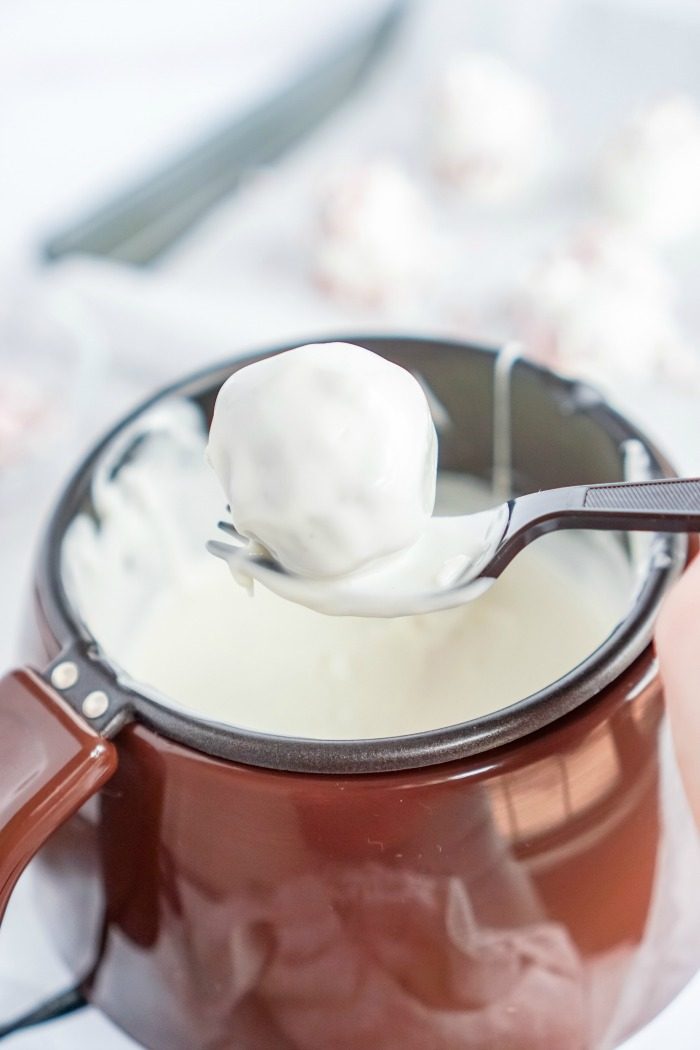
(51, 762)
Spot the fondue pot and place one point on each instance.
(473, 886)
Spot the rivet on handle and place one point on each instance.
(64, 675)
(95, 704)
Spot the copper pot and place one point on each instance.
(213, 887)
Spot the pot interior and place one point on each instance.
(132, 575)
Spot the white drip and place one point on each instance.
(502, 472)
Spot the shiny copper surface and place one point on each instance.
(457, 906)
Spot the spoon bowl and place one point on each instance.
(458, 558)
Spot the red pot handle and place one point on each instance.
(51, 762)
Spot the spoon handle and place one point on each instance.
(673, 503)
(664, 505)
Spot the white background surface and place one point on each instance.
(73, 86)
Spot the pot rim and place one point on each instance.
(130, 700)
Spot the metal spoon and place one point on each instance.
(458, 558)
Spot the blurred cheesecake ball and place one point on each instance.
(490, 128)
(25, 410)
(602, 306)
(649, 174)
(375, 241)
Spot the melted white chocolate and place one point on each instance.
(271, 665)
(327, 456)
